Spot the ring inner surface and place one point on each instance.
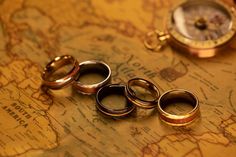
(112, 99)
(143, 90)
(92, 73)
(59, 69)
(178, 103)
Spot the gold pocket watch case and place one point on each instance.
(199, 27)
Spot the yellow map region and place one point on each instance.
(66, 123)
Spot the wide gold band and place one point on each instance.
(56, 64)
(178, 96)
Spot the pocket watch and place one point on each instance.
(199, 27)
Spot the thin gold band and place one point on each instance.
(131, 95)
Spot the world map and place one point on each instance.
(66, 123)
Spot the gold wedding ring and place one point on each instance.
(110, 89)
(150, 87)
(178, 96)
(56, 64)
(92, 66)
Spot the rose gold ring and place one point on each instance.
(56, 64)
(178, 96)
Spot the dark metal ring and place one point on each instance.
(113, 89)
(131, 95)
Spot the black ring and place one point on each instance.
(113, 89)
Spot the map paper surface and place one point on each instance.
(66, 123)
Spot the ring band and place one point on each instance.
(180, 96)
(92, 66)
(131, 95)
(56, 64)
(113, 89)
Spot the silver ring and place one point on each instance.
(92, 66)
(116, 89)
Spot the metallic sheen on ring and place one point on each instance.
(56, 64)
(131, 95)
(113, 89)
(94, 66)
(178, 95)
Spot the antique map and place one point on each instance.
(66, 123)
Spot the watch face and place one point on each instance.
(201, 20)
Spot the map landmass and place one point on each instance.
(65, 123)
